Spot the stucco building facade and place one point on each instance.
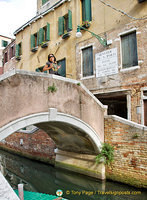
(4, 41)
(9, 61)
(116, 73)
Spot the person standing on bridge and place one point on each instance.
(51, 65)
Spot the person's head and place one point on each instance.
(51, 58)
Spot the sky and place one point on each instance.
(15, 13)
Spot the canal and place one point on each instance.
(44, 178)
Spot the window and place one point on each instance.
(44, 1)
(5, 57)
(65, 23)
(34, 41)
(86, 10)
(12, 52)
(129, 50)
(87, 62)
(18, 51)
(62, 69)
(4, 43)
(116, 102)
(44, 34)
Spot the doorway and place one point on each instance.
(117, 104)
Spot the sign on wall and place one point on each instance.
(106, 63)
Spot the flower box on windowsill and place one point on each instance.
(65, 35)
(86, 24)
(18, 58)
(34, 49)
(44, 45)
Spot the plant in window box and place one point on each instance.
(18, 58)
(65, 35)
(86, 24)
(34, 49)
(44, 44)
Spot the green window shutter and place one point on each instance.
(86, 10)
(37, 38)
(41, 35)
(4, 43)
(62, 69)
(17, 50)
(87, 61)
(69, 20)
(48, 32)
(32, 41)
(60, 25)
(129, 50)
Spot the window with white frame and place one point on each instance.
(129, 50)
(87, 61)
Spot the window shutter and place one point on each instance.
(60, 25)
(44, 1)
(88, 15)
(62, 69)
(41, 35)
(4, 43)
(129, 50)
(69, 20)
(48, 32)
(32, 41)
(37, 38)
(87, 55)
(17, 50)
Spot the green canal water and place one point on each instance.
(44, 178)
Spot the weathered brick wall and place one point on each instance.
(130, 156)
(131, 80)
(38, 146)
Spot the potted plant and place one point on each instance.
(86, 24)
(44, 44)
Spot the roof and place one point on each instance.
(6, 37)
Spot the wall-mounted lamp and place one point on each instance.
(100, 39)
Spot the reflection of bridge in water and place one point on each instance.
(39, 177)
(71, 116)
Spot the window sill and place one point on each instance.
(86, 24)
(87, 77)
(65, 35)
(13, 58)
(34, 49)
(18, 58)
(129, 69)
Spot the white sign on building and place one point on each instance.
(106, 63)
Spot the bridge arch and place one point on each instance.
(67, 131)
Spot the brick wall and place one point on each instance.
(130, 156)
(38, 146)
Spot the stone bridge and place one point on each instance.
(62, 107)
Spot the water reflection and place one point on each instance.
(39, 177)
